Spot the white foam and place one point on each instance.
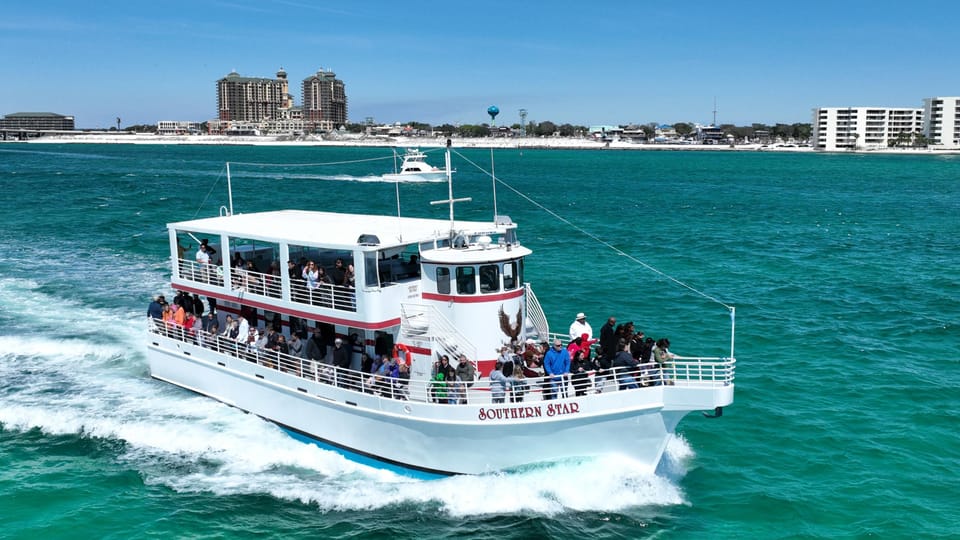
(94, 383)
(336, 177)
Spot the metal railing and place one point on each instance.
(681, 371)
(535, 314)
(426, 322)
(210, 274)
(324, 295)
(241, 279)
(255, 282)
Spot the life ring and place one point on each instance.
(407, 357)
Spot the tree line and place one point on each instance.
(797, 131)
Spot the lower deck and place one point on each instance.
(453, 429)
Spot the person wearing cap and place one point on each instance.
(580, 326)
(341, 354)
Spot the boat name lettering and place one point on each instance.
(509, 413)
(562, 408)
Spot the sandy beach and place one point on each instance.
(424, 142)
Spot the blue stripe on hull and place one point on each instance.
(364, 458)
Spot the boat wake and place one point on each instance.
(337, 177)
(81, 370)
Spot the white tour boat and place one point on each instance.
(416, 169)
(422, 288)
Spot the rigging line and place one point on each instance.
(219, 176)
(312, 164)
(597, 238)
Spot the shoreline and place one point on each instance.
(459, 142)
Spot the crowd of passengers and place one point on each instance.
(185, 319)
(305, 275)
(621, 355)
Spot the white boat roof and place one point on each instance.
(336, 230)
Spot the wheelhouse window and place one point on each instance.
(466, 280)
(396, 264)
(510, 275)
(370, 269)
(443, 280)
(489, 278)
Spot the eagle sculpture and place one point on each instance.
(512, 331)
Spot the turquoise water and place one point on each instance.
(845, 271)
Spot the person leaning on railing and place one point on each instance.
(664, 358)
(625, 366)
(499, 383)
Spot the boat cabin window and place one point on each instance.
(256, 266)
(398, 264)
(192, 265)
(443, 280)
(489, 278)
(323, 258)
(466, 280)
(188, 243)
(509, 275)
(329, 289)
(263, 255)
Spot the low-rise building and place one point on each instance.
(665, 133)
(36, 121)
(864, 128)
(710, 134)
(941, 122)
(178, 127)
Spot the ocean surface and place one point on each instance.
(844, 270)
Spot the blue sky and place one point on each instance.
(584, 62)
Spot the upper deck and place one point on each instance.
(368, 264)
(334, 230)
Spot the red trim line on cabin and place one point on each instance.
(472, 299)
(302, 314)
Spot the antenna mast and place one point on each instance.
(493, 179)
(229, 189)
(450, 200)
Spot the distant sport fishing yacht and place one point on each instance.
(421, 289)
(416, 169)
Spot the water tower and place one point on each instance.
(493, 111)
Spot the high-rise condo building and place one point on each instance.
(252, 99)
(324, 102)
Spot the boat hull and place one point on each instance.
(437, 176)
(442, 439)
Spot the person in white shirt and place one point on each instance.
(203, 257)
(580, 327)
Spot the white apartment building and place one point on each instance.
(864, 128)
(177, 127)
(941, 122)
